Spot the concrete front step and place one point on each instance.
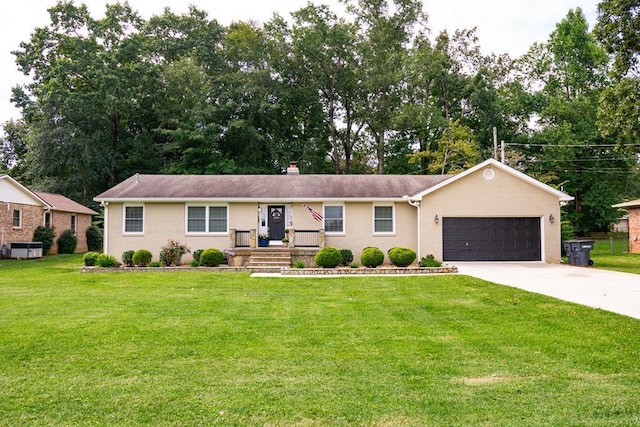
(275, 259)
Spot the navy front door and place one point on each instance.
(277, 222)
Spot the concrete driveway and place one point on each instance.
(607, 290)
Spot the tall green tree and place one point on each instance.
(90, 92)
(618, 29)
(386, 30)
(571, 72)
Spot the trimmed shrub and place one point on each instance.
(141, 258)
(298, 264)
(46, 235)
(347, 256)
(354, 265)
(127, 258)
(211, 257)
(196, 255)
(328, 257)
(371, 257)
(94, 239)
(194, 263)
(107, 261)
(154, 264)
(90, 259)
(402, 257)
(429, 261)
(172, 252)
(67, 242)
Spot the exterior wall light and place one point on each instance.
(551, 218)
(436, 219)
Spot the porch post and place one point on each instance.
(232, 238)
(321, 238)
(252, 238)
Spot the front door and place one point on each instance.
(276, 222)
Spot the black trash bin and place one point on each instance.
(579, 251)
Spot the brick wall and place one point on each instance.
(634, 230)
(61, 221)
(32, 217)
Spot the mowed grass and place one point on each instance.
(203, 348)
(618, 259)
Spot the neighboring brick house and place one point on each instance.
(633, 207)
(23, 210)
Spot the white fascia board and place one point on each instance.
(246, 200)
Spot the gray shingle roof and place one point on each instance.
(258, 187)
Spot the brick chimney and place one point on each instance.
(293, 169)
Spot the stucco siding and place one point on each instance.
(502, 196)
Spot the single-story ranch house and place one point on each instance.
(490, 212)
(23, 210)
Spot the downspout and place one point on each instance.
(105, 237)
(416, 204)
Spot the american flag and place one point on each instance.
(315, 214)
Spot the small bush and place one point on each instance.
(196, 255)
(46, 235)
(429, 261)
(127, 258)
(347, 256)
(354, 265)
(402, 257)
(141, 258)
(172, 253)
(328, 257)
(194, 263)
(107, 261)
(94, 239)
(298, 264)
(371, 257)
(211, 257)
(67, 242)
(155, 264)
(90, 258)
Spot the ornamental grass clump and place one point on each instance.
(211, 257)
(328, 257)
(107, 261)
(402, 257)
(141, 258)
(371, 257)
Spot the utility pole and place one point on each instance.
(495, 142)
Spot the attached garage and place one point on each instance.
(491, 239)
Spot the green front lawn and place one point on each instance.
(226, 349)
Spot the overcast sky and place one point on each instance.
(503, 26)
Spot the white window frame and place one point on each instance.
(393, 219)
(207, 219)
(13, 217)
(48, 224)
(124, 220)
(344, 219)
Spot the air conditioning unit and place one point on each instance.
(26, 250)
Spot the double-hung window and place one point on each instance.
(17, 218)
(134, 219)
(383, 221)
(207, 219)
(334, 219)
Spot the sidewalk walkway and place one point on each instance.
(607, 290)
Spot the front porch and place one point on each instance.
(293, 239)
